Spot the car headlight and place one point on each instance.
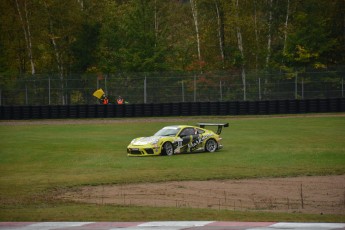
(145, 141)
(154, 142)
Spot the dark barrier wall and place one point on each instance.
(173, 109)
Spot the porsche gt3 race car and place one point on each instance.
(178, 139)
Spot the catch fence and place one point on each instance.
(170, 87)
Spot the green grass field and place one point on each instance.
(39, 160)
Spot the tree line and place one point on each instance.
(110, 36)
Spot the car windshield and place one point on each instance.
(168, 131)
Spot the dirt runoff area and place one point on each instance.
(311, 194)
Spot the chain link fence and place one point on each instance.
(168, 87)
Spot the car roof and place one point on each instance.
(180, 126)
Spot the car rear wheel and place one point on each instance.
(168, 148)
(211, 145)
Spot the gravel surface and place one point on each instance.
(312, 194)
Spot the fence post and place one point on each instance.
(105, 84)
(296, 96)
(342, 87)
(26, 94)
(194, 88)
(49, 90)
(244, 85)
(259, 89)
(302, 88)
(182, 91)
(220, 90)
(145, 90)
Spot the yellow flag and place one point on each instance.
(98, 93)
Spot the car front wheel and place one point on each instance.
(168, 148)
(211, 145)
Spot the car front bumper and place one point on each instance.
(142, 151)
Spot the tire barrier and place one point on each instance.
(173, 109)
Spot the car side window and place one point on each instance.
(187, 132)
(200, 131)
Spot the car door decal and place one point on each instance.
(190, 140)
(198, 141)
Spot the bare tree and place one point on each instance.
(53, 37)
(81, 2)
(156, 24)
(286, 25)
(256, 36)
(220, 27)
(24, 21)
(269, 36)
(240, 47)
(194, 8)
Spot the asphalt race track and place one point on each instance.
(169, 225)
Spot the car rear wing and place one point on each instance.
(220, 126)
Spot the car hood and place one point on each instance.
(145, 140)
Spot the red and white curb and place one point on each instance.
(169, 225)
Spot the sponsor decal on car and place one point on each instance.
(198, 141)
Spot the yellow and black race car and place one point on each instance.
(178, 139)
